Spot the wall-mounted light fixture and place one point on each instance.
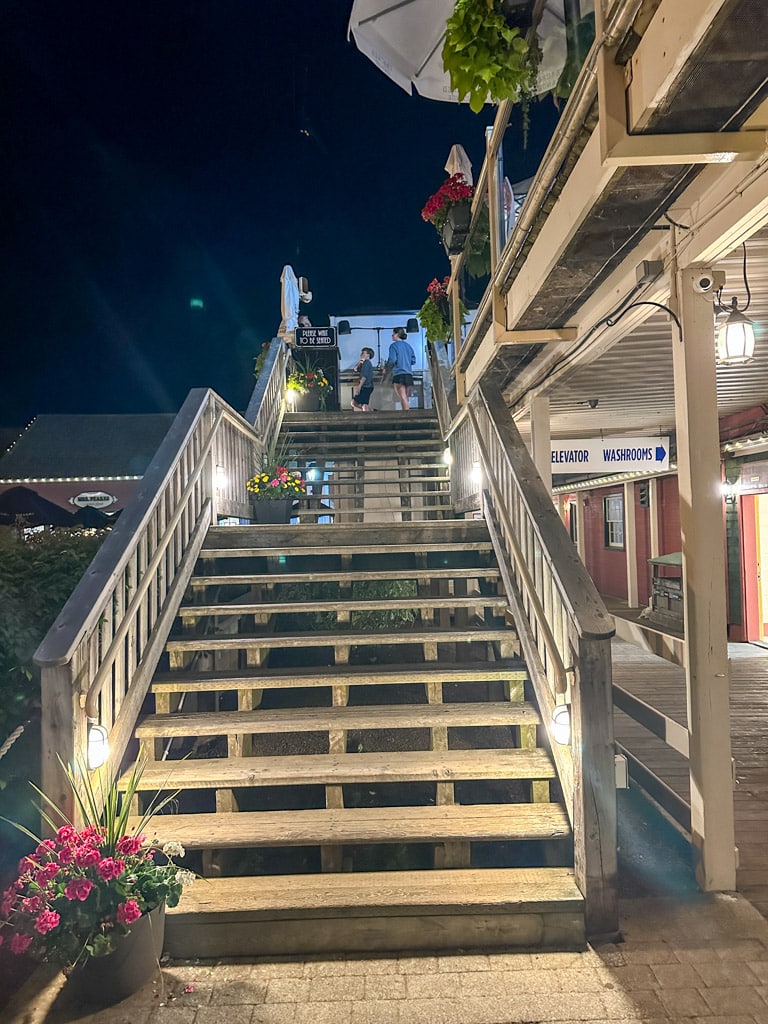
(448, 457)
(97, 746)
(561, 724)
(476, 475)
(734, 337)
(221, 478)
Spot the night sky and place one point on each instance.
(154, 151)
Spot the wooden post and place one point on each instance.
(63, 732)
(701, 525)
(541, 441)
(594, 787)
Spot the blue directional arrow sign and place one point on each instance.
(661, 453)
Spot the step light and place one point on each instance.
(561, 724)
(98, 746)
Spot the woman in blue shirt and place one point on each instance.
(400, 361)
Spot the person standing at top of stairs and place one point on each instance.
(360, 401)
(400, 362)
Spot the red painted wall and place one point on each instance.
(606, 566)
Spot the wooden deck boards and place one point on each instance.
(662, 685)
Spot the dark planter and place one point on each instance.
(273, 511)
(105, 980)
(456, 228)
(309, 402)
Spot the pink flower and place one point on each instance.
(66, 855)
(46, 874)
(78, 889)
(20, 943)
(45, 847)
(86, 856)
(130, 845)
(7, 901)
(46, 921)
(66, 834)
(128, 912)
(31, 904)
(110, 868)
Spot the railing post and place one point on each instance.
(63, 732)
(594, 786)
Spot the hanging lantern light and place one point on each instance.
(734, 338)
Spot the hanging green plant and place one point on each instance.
(435, 315)
(477, 251)
(487, 58)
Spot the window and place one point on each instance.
(613, 510)
(573, 523)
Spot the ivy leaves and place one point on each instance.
(486, 57)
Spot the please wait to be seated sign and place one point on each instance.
(595, 455)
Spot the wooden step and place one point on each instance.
(389, 716)
(338, 576)
(474, 823)
(401, 479)
(323, 638)
(256, 543)
(343, 769)
(533, 909)
(184, 680)
(349, 604)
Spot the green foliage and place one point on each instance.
(485, 56)
(36, 578)
(261, 358)
(435, 315)
(362, 590)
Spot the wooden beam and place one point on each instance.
(505, 337)
(686, 148)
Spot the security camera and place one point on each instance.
(708, 281)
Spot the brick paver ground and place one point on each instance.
(697, 959)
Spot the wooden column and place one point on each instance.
(630, 543)
(701, 523)
(541, 440)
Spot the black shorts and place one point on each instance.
(403, 378)
(363, 396)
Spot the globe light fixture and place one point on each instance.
(735, 338)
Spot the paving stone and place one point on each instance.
(676, 976)
(172, 1015)
(683, 1002)
(384, 987)
(323, 1013)
(287, 990)
(728, 973)
(380, 1011)
(274, 1013)
(224, 1014)
(348, 987)
(634, 976)
(231, 991)
(432, 986)
(722, 1000)
(469, 963)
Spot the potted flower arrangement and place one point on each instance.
(449, 210)
(92, 898)
(306, 378)
(435, 315)
(274, 488)
(492, 51)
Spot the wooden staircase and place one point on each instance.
(383, 467)
(345, 714)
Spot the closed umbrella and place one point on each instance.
(37, 510)
(405, 40)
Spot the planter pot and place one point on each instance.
(309, 402)
(277, 511)
(456, 228)
(105, 980)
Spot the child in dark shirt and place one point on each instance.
(360, 401)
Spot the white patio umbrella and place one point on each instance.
(404, 38)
